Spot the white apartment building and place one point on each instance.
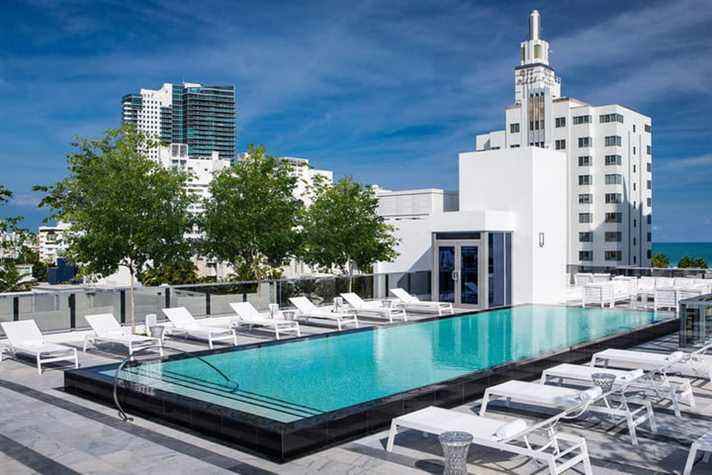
(52, 241)
(609, 160)
(306, 178)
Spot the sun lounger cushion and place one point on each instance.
(511, 429)
(590, 393)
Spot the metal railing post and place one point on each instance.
(16, 308)
(207, 303)
(168, 297)
(72, 311)
(122, 306)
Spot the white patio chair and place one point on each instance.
(556, 397)
(411, 303)
(690, 365)
(308, 310)
(665, 298)
(703, 444)
(105, 328)
(558, 452)
(683, 283)
(373, 308)
(660, 386)
(664, 282)
(248, 315)
(25, 337)
(183, 323)
(601, 277)
(581, 279)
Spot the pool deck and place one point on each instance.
(45, 430)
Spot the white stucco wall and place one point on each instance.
(528, 183)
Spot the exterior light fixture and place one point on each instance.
(541, 239)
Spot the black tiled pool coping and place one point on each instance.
(281, 442)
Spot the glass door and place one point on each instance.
(446, 270)
(469, 275)
(458, 270)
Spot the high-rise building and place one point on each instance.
(201, 117)
(609, 159)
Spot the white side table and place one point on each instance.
(703, 444)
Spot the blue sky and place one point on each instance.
(388, 91)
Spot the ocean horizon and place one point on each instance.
(677, 250)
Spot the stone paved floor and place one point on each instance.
(44, 430)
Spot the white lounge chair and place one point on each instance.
(106, 328)
(601, 277)
(581, 279)
(559, 452)
(691, 365)
(308, 310)
(373, 308)
(248, 315)
(411, 303)
(556, 397)
(25, 337)
(677, 390)
(184, 323)
(664, 282)
(606, 293)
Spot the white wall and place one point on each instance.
(529, 183)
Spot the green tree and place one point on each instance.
(11, 279)
(123, 208)
(692, 263)
(251, 218)
(342, 229)
(5, 194)
(660, 260)
(172, 273)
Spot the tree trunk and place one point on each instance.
(350, 271)
(132, 301)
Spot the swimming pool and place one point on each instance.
(303, 383)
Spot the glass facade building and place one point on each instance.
(201, 117)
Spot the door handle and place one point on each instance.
(455, 275)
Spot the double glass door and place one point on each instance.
(458, 273)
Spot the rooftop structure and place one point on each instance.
(609, 187)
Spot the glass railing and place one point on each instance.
(64, 310)
(642, 271)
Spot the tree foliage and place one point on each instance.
(692, 263)
(171, 273)
(251, 218)
(660, 260)
(342, 229)
(124, 209)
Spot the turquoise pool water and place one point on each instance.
(291, 381)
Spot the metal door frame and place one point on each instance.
(481, 269)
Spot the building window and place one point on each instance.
(613, 198)
(585, 161)
(560, 122)
(514, 128)
(585, 142)
(649, 167)
(605, 118)
(585, 180)
(647, 128)
(649, 237)
(634, 150)
(613, 141)
(613, 236)
(516, 145)
(586, 256)
(649, 202)
(613, 255)
(586, 237)
(614, 218)
(649, 253)
(582, 119)
(585, 218)
(560, 144)
(648, 149)
(633, 128)
(634, 168)
(649, 218)
(614, 179)
(585, 198)
(614, 160)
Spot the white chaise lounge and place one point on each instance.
(556, 397)
(183, 323)
(25, 337)
(373, 308)
(411, 303)
(559, 453)
(607, 293)
(308, 310)
(105, 328)
(677, 390)
(248, 315)
(690, 365)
